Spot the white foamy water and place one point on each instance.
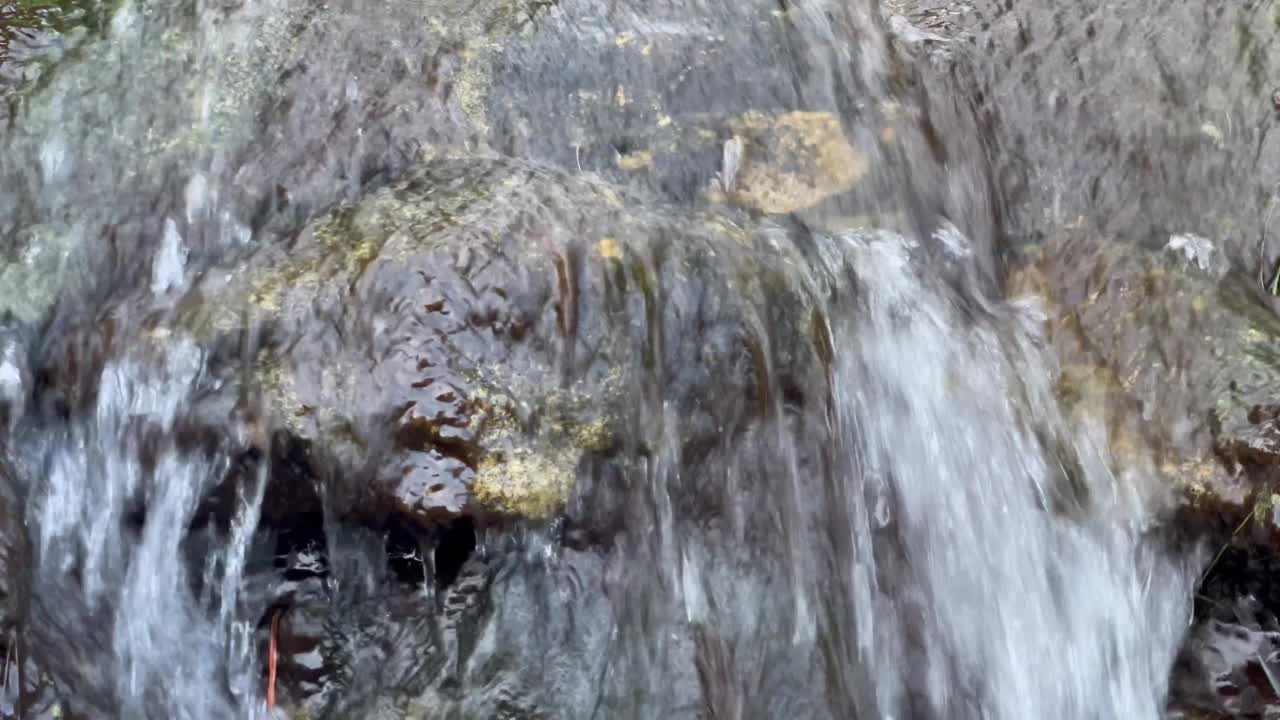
(1024, 605)
(168, 652)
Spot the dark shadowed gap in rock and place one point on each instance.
(301, 547)
(1241, 571)
(405, 556)
(457, 542)
(1230, 664)
(292, 487)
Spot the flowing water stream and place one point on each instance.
(901, 520)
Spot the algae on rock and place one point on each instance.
(1188, 349)
(464, 338)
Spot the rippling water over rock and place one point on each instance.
(523, 359)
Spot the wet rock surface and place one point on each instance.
(524, 328)
(1228, 666)
(456, 344)
(1183, 352)
(646, 100)
(1163, 142)
(469, 342)
(1186, 342)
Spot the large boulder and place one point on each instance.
(1184, 353)
(461, 341)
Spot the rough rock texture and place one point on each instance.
(461, 341)
(15, 555)
(1183, 357)
(413, 331)
(1187, 345)
(1230, 665)
(646, 96)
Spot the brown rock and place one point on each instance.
(1189, 352)
(461, 342)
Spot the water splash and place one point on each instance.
(941, 541)
(991, 555)
(167, 653)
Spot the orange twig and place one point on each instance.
(271, 662)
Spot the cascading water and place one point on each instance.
(1022, 588)
(944, 543)
(166, 645)
(900, 521)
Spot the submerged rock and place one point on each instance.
(462, 341)
(650, 96)
(1181, 354)
(1188, 348)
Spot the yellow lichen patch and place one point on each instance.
(593, 436)
(794, 161)
(647, 49)
(536, 477)
(275, 383)
(315, 416)
(1203, 472)
(624, 38)
(609, 248)
(482, 29)
(636, 160)
(472, 89)
(268, 287)
(530, 471)
(620, 97)
(531, 475)
(523, 482)
(343, 250)
(663, 120)
(1029, 280)
(1204, 480)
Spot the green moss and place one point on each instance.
(59, 16)
(341, 253)
(480, 32)
(31, 281)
